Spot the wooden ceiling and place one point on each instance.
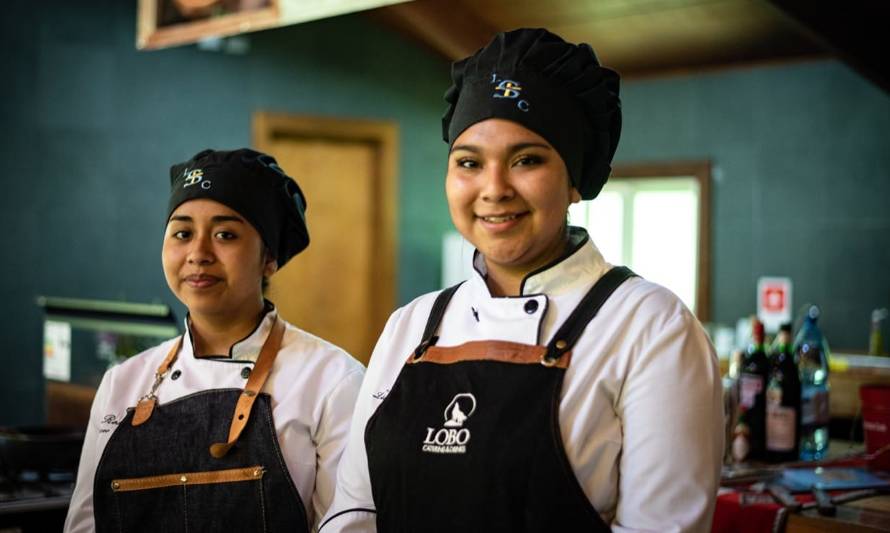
(646, 37)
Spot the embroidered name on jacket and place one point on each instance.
(452, 437)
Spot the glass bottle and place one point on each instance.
(749, 437)
(783, 401)
(875, 340)
(811, 353)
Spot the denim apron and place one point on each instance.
(191, 465)
(468, 438)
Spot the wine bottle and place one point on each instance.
(751, 426)
(783, 401)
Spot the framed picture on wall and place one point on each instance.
(165, 23)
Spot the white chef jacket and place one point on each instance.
(312, 384)
(641, 412)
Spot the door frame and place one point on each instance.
(384, 136)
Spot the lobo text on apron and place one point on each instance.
(468, 438)
(191, 465)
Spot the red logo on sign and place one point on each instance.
(773, 299)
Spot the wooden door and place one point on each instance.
(342, 287)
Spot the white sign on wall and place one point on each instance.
(57, 350)
(773, 302)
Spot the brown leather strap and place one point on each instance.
(255, 383)
(232, 475)
(146, 405)
(500, 351)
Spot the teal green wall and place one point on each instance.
(90, 127)
(801, 188)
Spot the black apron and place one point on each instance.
(468, 438)
(162, 472)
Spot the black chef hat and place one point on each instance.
(252, 184)
(554, 88)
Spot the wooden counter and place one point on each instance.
(868, 515)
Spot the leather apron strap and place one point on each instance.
(254, 385)
(146, 404)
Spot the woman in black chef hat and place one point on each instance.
(239, 424)
(551, 391)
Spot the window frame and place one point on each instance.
(701, 171)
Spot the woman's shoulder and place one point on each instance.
(649, 299)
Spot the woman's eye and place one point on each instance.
(225, 235)
(525, 160)
(181, 234)
(465, 162)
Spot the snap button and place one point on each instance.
(531, 306)
(176, 374)
(245, 372)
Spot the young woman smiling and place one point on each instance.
(551, 391)
(239, 424)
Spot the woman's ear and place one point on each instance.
(574, 195)
(270, 266)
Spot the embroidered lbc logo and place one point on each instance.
(195, 176)
(453, 437)
(509, 89)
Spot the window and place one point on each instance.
(655, 219)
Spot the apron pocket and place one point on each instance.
(217, 500)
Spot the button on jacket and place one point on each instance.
(640, 413)
(312, 385)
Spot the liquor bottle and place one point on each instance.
(811, 353)
(875, 340)
(731, 404)
(783, 401)
(749, 437)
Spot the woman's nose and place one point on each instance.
(496, 186)
(200, 252)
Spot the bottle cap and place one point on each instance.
(813, 313)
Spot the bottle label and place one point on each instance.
(773, 394)
(750, 385)
(741, 447)
(781, 424)
(814, 408)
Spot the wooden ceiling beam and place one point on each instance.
(855, 30)
(444, 26)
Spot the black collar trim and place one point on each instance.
(267, 308)
(574, 233)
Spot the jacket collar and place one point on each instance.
(581, 263)
(246, 349)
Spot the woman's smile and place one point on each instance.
(201, 281)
